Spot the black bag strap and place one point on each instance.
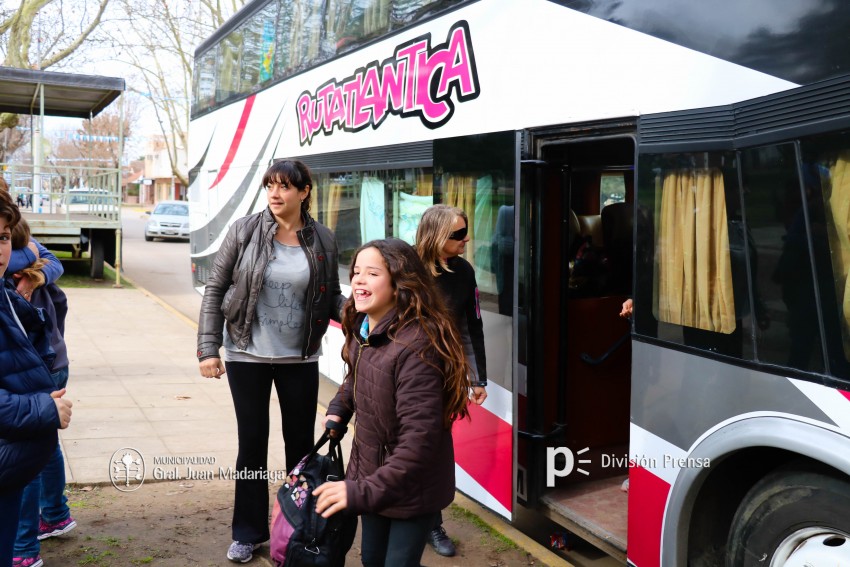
(334, 450)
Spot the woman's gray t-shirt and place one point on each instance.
(277, 331)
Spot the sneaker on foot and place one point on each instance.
(27, 561)
(46, 530)
(441, 543)
(242, 552)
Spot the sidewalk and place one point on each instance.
(135, 385)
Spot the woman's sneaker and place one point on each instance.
(27, 561)
(62, 527)
(242, 552)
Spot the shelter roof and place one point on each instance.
(65, 94)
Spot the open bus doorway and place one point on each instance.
(574, 353)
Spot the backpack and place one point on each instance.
(300, 536)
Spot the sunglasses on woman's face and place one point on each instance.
(459, 234)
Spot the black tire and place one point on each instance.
(148, 238)
(97, 251)
(782, 503)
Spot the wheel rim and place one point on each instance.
(813, 546)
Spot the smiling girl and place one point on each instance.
(407, 382)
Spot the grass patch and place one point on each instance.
(77, 275)
(142, 560)
(503, 543)
(93, 556)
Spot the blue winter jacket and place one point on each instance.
(28, 417)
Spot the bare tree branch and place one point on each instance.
(62, 54)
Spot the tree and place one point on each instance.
(158, 42)
(93, 148)
(58, 28)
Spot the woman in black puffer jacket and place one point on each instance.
(407, 382)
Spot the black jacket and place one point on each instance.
(237, 277)
(460, 292)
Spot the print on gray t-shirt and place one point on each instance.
(278, 327)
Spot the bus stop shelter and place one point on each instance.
(97, 226)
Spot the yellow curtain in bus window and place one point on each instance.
(693, 265)
(839, 239)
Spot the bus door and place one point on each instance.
(574, 349)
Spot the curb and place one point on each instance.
(499, 525)
(496, 523)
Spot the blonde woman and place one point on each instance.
(440, 240)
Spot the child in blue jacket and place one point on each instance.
(30, 410)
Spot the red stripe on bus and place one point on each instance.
(647, 498)
(237, 138)
(484, 449)
(845, 394)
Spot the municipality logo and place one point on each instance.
(127, 469)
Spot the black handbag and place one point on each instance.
(300, 536)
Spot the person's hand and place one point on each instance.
(478, 395)
(63, 408)
(212, 368)
(332, 498)
(335, 418)
(34, 249)
(25, 286)
(628, 307)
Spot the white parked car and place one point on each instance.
(169, 219)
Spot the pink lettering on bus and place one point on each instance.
(418, 80)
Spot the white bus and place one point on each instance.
(690, 156)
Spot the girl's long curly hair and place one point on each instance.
(419, 303)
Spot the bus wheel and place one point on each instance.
(97, 256)
(792, 518)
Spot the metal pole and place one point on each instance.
(38, 152)
(120, 159)
(118, 258)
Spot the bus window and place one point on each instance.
(409, 11)
(477, 176)
(204, 94)
(687, 231)
(612, 189)
(360, 206)
(258, 53)
(826, 168)
(229, 54)
(299, 32)
(789, 330)
(352, 22)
